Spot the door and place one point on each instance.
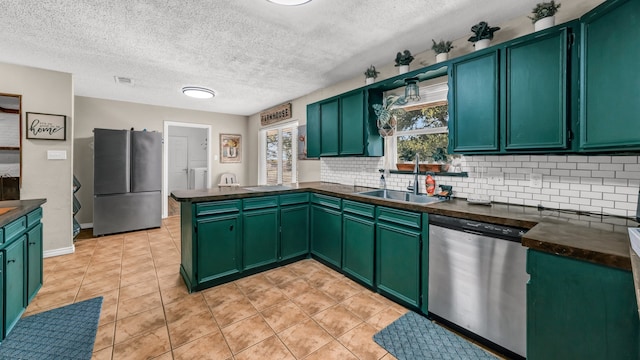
(294, 237)
(219, 247)
(357, 254)
(146, 161)
(111, 162)
(260, 237)
(279, 155)
(398, 262)
(329, 130)
(474, 111)
(536, 87)
(352, 124)
(326, 234)
(34, 261)
(609, 105)
(178, 162)
(14, 285)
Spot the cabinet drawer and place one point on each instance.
(15, 229)
(357, 208)
(290, 199)
(217, 207)
(400, 217)
(324, 200)
(260, 202)
(34, 217)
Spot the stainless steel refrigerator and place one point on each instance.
(127, 178)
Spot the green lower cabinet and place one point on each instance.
(358, 247)
(15, 301)
(398, 262)
(580, 310)
(326, 234)
(294, 237)
(34, 256)
(2, 333)
(219, 251)
(260, 233)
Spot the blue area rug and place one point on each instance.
(414, 337)
(63, 333)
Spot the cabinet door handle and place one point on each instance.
(32, 243)
(231, 228)
(11, 261)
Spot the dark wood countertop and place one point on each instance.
(22, 207)
(564, 236)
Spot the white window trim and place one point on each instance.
(262, 152)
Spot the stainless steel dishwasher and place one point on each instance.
(477, 280)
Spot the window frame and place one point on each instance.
(262, 152)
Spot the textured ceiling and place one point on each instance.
(253, 53)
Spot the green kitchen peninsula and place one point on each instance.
(581, 285)
(20, 258)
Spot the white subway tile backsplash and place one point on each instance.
(607, 184)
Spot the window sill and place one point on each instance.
(441, 173)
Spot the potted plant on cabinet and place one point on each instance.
(544, 15)
(403, 60)
(441, 49)
(483, 33)
(370, 75)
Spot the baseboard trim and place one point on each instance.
(86, 226)
(57, 252)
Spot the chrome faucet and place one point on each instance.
(415, 187)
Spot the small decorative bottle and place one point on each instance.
(430, 185)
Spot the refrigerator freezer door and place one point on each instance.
(146, 161)
(126, 212)
(111, 173)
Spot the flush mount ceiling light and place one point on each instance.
(289, 2)
(198, 92)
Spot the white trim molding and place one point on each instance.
(57, 252)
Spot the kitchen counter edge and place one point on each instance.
(22, 207)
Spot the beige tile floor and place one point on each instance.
(300, 311)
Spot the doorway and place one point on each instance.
(187, 161)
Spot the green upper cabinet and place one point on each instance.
(610, 83)
(343, 125)
(473, 104)
(313, 130)
(352, 123)
(329, 127)
(535, 97)
(580, 310)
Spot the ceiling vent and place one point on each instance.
(121, 80)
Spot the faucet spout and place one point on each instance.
(416, 171)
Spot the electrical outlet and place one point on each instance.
(495, 179)
(535, 181)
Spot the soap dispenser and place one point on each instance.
(383, 182)
(430, 184)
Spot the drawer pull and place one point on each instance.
(231, 228)
(11, 261)
(32, 243)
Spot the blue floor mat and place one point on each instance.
(67, 332)
(414, 337)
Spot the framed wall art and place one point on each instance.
(46, 126)
(230, 148)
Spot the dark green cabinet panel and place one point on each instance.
(260, 233)
(352, 123)
(219, 246)
(326, 234)
(473, 104)
(15, 301)
(329, 131)
(609, 77)
(358, 247)
(579, 310)
(2, 292)
(535, 107)
(398, 262)
(294, 237)
(34, 256)
(313, 130)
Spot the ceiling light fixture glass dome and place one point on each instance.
(198, 92)
(289, 2)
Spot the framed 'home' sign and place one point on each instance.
(46, 126)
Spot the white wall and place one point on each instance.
(45, 92)
(98, 113)
(309, 170)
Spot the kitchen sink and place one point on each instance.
(402, 196)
